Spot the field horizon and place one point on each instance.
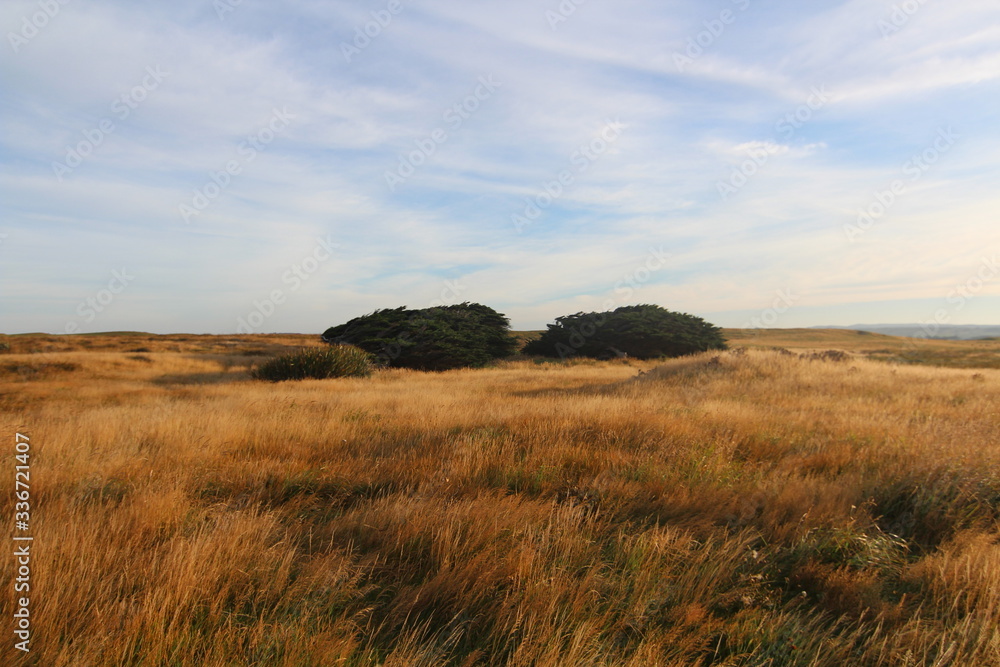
(983, 353)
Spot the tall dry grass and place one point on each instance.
(748, 508)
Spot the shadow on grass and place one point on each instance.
(202, 378)
(679, 369)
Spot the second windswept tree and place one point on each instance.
(644, 331)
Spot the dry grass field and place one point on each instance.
(894, 349)
(758, 507)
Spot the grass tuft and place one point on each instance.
(336, 361)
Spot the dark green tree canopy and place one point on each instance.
(644, 331)
(439, 338)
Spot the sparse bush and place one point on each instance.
(37, 370)
(316, 363)
(827, 355)
(645, 332)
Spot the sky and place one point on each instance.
(214, 166)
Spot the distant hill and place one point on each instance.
(941, 332)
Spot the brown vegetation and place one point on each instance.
(894, 349)
(739, 508)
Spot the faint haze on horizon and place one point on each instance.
(215, 165)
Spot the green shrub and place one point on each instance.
(644, 332)
(430, 339)
(316, 363)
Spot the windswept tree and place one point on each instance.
(434, 339)
(645, 331)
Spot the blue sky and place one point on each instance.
(203, 166)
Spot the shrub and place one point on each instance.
(316, 363)
(431, 339)
(829, 355)
(644, 332)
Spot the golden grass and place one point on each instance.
(745, 508)
(895, 349)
